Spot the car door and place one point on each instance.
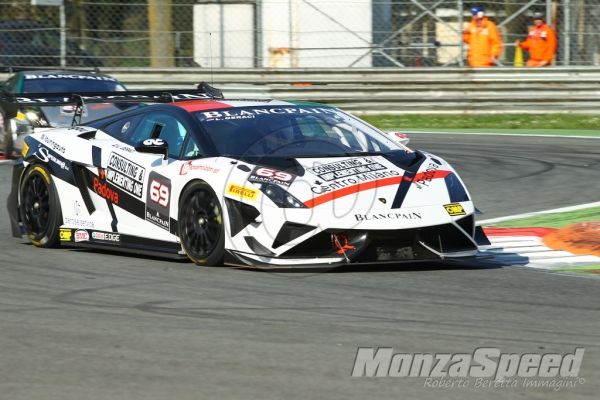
(147, 204)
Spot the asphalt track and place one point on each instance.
(89, 325)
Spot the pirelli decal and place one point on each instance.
(455, 209)
(242, 191)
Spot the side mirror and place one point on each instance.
(399, 137)
(155, 146)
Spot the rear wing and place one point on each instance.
(11, 102)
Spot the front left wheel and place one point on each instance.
(201, 224)
(40, 207)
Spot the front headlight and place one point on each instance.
(279, 196)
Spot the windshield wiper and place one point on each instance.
(358, 154)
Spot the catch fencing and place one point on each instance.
(290, 33)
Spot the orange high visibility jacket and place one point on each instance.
(541, 43)
(484, 42)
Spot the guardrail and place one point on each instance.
(398, 91)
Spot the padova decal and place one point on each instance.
(158, 200)
(125, 174)
(103, 189)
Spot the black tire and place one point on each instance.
(40, 207)
(201, 224)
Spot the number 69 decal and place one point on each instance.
(159, 193)
(271, 173)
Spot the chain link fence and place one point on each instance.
(279, 33)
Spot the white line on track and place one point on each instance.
(501, 134)
(533, 214)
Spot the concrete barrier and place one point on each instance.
(396, 90)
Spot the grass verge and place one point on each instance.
(493, 121)
(557, 220)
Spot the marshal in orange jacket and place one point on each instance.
(541, 43)
(484, 42)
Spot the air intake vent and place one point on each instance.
(290, 231)
(88, 135)
(80, 177)
(240, 215)
(468, 224)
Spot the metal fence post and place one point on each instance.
(567, 32)
(258, 33)
(460, 29)
(63, 35)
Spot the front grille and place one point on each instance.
(467, 224)
(446, 238)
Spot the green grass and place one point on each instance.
(557, 220)
(588, 269)
(490, 122)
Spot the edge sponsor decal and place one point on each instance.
(82, 235)
(455, 209)
(372, 217)
(158, 200)
(241, 191)
(105, 236)
(268, 175)
(65, 235)
(188, 166)
(125, 174)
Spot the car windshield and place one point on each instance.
(72, 83)
(288, 131)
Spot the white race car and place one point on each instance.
(241, 182)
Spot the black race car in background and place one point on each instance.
(34, 118)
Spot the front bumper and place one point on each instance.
(313, 238)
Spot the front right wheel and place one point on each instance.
(201, 224)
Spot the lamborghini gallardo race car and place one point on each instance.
(241, 182)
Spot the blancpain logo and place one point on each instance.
(371, 217)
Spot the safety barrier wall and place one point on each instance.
(394, 90)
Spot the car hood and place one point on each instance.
(369, 182)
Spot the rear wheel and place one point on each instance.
(40, 207)
(201, 224)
